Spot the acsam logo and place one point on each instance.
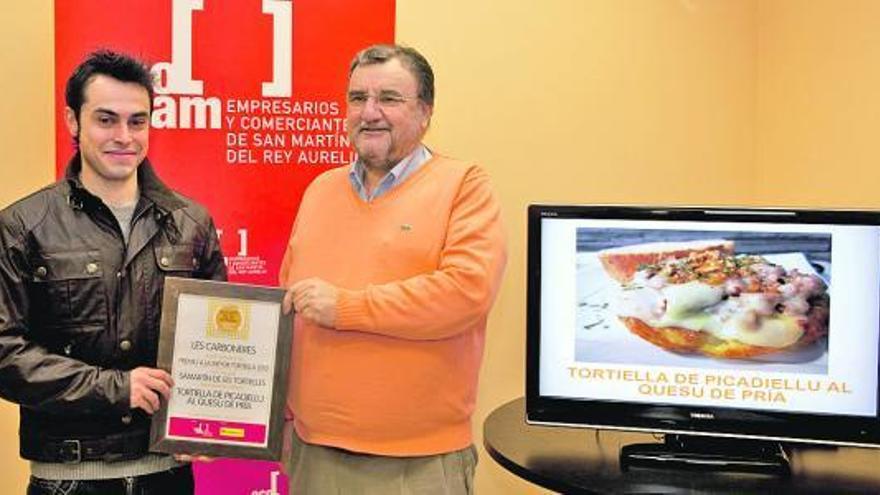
(273, 485)
(180, 102)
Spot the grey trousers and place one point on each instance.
(318, 470)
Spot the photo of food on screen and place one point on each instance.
(676, 296)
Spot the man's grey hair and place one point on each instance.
(411, 59)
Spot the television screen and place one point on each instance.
(735, 322)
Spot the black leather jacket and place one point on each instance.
(78, 310)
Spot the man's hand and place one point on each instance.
(314, 299)
(148, 385)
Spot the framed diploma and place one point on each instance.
(227, 347)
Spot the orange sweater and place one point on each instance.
(418, 269)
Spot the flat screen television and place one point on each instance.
(733, 332)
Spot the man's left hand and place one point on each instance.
(314, 299)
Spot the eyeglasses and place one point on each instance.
(384, 100)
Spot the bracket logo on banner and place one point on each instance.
(249, 108)
(177, 78)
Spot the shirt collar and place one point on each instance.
(357, 172)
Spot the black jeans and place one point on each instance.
(176, 481)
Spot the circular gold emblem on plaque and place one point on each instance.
(228, 318)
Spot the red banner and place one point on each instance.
(249, 109)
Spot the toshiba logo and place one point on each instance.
(699, 415)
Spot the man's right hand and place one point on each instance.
(147, 385)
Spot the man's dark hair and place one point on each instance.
(412, 60)
(109, 63)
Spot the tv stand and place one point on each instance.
(586, 461)
(708, 453)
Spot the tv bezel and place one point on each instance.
(790, 427)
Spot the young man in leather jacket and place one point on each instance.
(82, 265)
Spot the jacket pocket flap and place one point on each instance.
(68, 266)
(178, 257)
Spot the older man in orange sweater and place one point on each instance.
(392, 266)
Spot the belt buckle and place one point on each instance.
(71, 451)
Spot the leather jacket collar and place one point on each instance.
(149, 184)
